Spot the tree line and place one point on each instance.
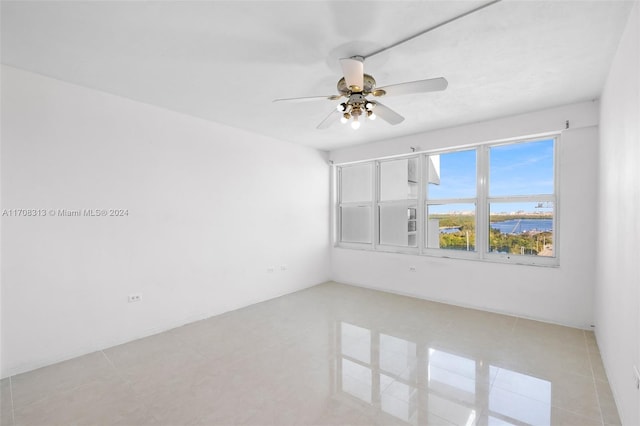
(531, 243)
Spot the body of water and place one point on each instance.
(513, 226)
(517, 226)
(449, 230)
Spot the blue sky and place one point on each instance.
(521, 169)
(515, 169)
(457, 176)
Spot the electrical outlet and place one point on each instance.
(412, 268)
(135, 297)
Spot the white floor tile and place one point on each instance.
(329, 355)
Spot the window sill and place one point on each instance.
(546, 262)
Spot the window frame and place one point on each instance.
(438, 252)
(409, 201)
(482, 201)
(553, 198)
(340, 204)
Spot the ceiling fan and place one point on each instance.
(356, 86)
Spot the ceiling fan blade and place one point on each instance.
(310, 98)
(353, 71)
(387, 114)
(330, 119)
(429, 85)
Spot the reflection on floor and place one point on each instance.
(399, 379)
(333, 355)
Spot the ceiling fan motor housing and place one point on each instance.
(369, 84)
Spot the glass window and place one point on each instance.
(451, 226)
(493, 201)
(398, 179)
(452, 175)
(521, 228)
(521, 169)
(355, 224)
(356, 183)
(397, 208)
(521, 199)
(398, 224)
(356, 197)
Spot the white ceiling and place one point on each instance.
(225, 61)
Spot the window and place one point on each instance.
(495, 202)
(521, 199)
(356, 195)
(451, 201)
(397, 205)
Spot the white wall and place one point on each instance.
(617, 303)
(561, 295)
(211, 208)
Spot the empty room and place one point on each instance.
(320, 212)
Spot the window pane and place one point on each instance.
(452, 175)
(521, 169)
(399, 179)
(521, 228)
(398, 224)
(356, 226)
(451, 226)
(356, 183)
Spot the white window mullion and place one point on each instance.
(375, 226)
(421, 206)
(336, 208)
(482, 208)
(556, 194)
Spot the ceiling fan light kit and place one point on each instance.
(356, 106)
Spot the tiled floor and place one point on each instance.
(333, 355)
